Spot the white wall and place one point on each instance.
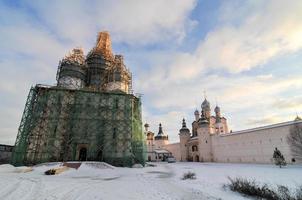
(252, 146)
(248, 146)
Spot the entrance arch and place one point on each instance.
(83, 154)
(196, 158)
(100, 155)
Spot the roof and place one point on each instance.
(161, 151)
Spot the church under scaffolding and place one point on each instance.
(91, 114)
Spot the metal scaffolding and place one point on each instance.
(58, 124)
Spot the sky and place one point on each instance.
(245, 56)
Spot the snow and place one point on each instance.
(96, 180)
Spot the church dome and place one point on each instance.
(160, 135)
(217, 109)
(196, 112)
(184, 127)
(205, 104)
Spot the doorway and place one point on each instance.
(196, 158)
(100, 155)
(83, 154)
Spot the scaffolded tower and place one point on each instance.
(89, 115)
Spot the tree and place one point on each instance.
(294, 139)
(279, 158)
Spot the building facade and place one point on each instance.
(157, 144)
(91, 114)
(211, 141)
(5, 153)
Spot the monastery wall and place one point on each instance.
(253, 145)
(174, 148)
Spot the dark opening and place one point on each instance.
(100, 155)
(114, 133)
(293, 160)
(197, 158)
(149, 158)
(83, 154)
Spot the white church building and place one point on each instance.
(211, 141)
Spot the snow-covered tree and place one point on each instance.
(279, 158)
(295, 141)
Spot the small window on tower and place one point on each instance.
(116, 103)
(114, 133)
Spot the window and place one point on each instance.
(114, 133)
(54, 131)
(116, 103)
(194, 148)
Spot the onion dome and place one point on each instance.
(119, 77)
(184, 126)
(72, 70)
(146, 125)
(217, 109)
(101, 55)
(160, 135)
(205, 104)
(196, 112)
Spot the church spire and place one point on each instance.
(184, 126)
(160, 130)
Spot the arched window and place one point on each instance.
(194, 148)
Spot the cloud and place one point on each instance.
(35, 36)
(243, 99)
(292, 103)
(270, 29)
(129, 21)
(263, 120)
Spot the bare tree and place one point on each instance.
(294, 139)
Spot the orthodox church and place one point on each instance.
(156, 145)
(211, 141)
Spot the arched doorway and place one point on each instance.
(100, 155)
(196, 158)
(83, 154)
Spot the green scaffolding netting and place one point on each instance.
(66, 125)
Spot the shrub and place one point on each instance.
(189, 175)
(50, 172)
(254, 189)
(279, 158)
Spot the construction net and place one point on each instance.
(66, 125)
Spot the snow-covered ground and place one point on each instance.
(163, 181)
